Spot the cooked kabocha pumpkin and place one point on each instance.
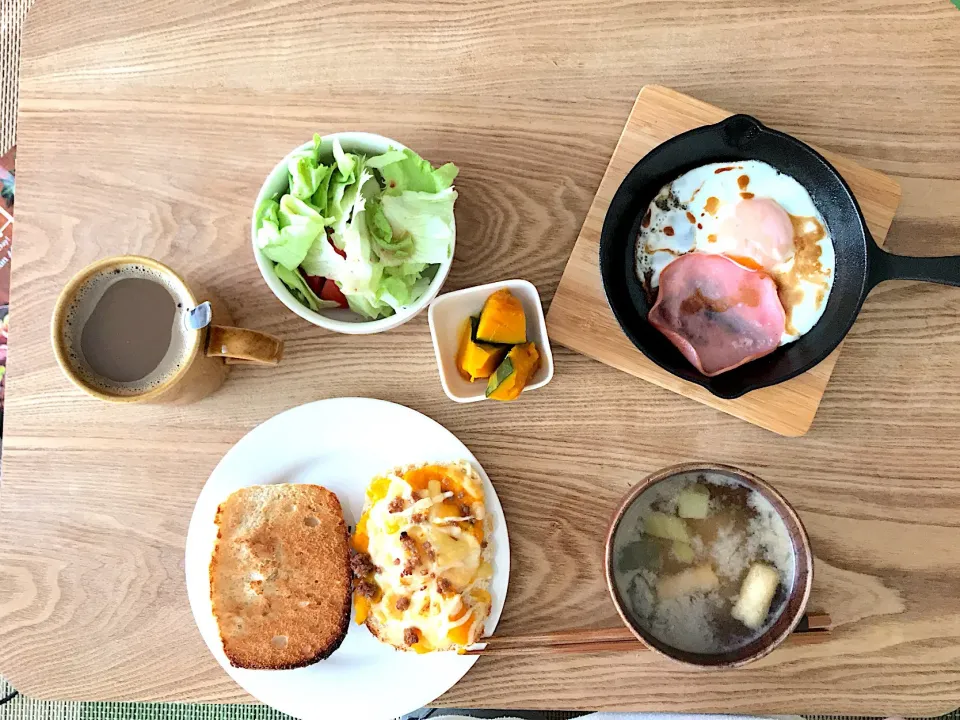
(508, 381)
(502, 320)
(477, 360)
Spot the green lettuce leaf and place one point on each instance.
(322, 260)
(268, 217)
(394, 292)
(378, 162)
(349, 203)
(360, 273)
(287, 229)
(298, 286)
(346, 163)
(366, 305)
(425, 217)
(320, 197)
(400, 287)
(336, 189)
(305, 176)
(407, 171)
(416, 269)
(335, 194)
(390, 249)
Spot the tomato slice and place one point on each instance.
(331, 291)
(341, 253)
(314, 282)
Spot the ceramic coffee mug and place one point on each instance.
(106, 333)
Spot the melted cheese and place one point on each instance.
(424, 529)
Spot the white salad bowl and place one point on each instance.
(338, 319)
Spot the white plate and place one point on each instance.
(341, 444)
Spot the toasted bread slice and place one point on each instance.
(280, 576)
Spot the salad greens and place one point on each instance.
(358, 232)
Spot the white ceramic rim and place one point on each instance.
(349, 140)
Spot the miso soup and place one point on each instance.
(704, 563)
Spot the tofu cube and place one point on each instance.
(694, 502)
(696, 579)
(756, 594)
(666, 526)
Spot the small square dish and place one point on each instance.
(447, 315)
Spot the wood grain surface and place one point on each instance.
(581, 318)
(147, 127)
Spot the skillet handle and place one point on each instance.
(887, 266)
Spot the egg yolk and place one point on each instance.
(361, 609)
(758, 234)
(460, 635)
(443, 477)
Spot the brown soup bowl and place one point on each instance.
(796, 596)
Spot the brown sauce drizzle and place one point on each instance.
(668, 231)
(806, 266)
(746, 195)
(699, 226)
(743, 181)
(698, 301)
(712, 204)
(723, 169)
(691, 217)
(699, 187)
(711, 238)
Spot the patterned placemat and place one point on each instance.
(12, 13)
(23, 708)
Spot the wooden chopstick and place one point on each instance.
(814, 621)
(562, 637)
(812, 628)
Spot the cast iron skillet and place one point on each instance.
(860, 263)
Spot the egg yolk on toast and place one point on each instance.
(421, 558)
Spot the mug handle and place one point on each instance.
(241, 345)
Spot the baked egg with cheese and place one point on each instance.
(421, 558)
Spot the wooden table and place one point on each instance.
(147, 127)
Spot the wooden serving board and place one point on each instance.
(581, 319)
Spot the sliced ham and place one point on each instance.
(718, 313)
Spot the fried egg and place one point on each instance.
(756, 216)
(422, 563)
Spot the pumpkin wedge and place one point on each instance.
(502, 320)
(476, 360)
(513, 374)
